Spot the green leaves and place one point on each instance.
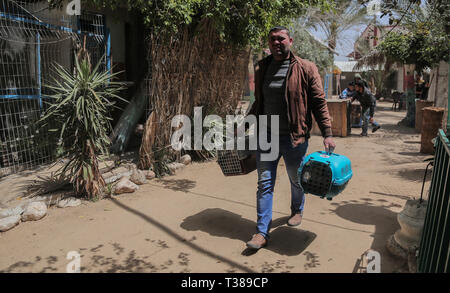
(306, 47)
(424, 40)
(420, 46)
(79, 114)
(240, 23)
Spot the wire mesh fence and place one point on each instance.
(32, 39)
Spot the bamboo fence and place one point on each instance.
(189, 70)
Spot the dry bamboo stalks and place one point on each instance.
(191, 71)
(148, 140)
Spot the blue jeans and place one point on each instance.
(366, 117)
(267, 172)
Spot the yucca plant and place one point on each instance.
(79, 112)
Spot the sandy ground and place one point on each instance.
(198, 220)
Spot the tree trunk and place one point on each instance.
(121, 134)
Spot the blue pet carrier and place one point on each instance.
(325, 174)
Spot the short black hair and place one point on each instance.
(279, 28)
(351, 83)
(360, 83)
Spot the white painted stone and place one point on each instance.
(49, 199)
(125, 186)
(186, 160)
(69, 202)
(116, 174)
(9, 222)
(130, 166)
(149, 174)
(173, 167)
(138, 177)
(34, 211)
(15, 211)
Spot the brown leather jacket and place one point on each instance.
(304, 94)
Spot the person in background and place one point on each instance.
(425, 91)
(349, 91)
(368, 103)
(420, 86)
(359, 78)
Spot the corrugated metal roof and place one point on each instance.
(347, 66)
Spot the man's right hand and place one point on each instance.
(329, 144)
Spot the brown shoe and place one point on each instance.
(295, 220)
(258, 241)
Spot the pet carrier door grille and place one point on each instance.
(316, 178)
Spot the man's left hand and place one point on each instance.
(329, 144)
(371, 120)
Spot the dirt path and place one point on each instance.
(198, 220)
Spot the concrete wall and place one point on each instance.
(439, 85)
(400, 78)
(439, 88)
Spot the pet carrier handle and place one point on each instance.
(330, 151)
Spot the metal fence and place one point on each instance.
(32, 39)
(434, 253)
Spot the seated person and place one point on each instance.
(348, 92)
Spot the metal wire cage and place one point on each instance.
(32, 40)
(237, 162)
(232, 163)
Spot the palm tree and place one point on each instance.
(308, 47)
(79, 114)
(346, 15)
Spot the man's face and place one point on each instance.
(280, 44)
(351, 88)
(359, 89)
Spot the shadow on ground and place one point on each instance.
(388, 108)
(414, 154)
(221, 223)
(95, 262)
(405, 197)
(386, 224)
(183, 185)
(415, 174)
(397, 129)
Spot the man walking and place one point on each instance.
(368, 103)
(290, 88)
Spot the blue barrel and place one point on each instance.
(325, 174)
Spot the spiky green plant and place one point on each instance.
(79, 112)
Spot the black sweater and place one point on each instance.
(367, 100)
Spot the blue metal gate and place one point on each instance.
(32, 40)
(434, 253)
